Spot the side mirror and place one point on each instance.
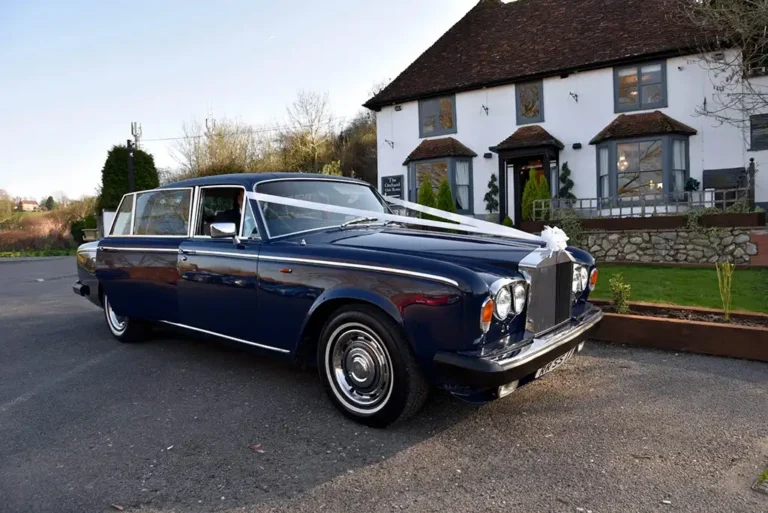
(223, 230)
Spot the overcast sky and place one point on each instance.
(74, 74)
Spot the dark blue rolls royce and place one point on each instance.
(384, 310)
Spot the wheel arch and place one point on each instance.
(328, 303)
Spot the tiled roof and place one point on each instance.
(530, 136)
(436, 148)
(639, 125)
(497, 43)
(29, 202)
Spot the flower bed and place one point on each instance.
(690, 329)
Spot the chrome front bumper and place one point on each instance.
(520, 363)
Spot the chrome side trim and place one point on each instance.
(364, 267)
(141, 250)
(248, 342)
(547, 343)
(206, 252)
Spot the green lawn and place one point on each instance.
(695, 287)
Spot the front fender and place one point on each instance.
(354, 294)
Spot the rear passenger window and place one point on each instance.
(122, 223)
(163, 212)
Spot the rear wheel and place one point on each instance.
(124, 329)
(368, 369)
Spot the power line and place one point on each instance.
(238, 132)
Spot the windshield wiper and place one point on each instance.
(357, 220)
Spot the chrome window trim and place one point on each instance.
(114, 220)
(135, 249)
(162, 189)
(319, 179)
(248, 342)
(133, 214)
(196, 210)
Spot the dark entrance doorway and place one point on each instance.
(529, 148)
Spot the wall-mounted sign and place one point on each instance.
(392, 186)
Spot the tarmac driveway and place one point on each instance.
(184, 424)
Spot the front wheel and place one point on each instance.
(368, 369)
(124, 329)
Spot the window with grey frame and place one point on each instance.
(640, 86)
(437, 116)
(529, 102)
(758, 132)
(458, 172)
(642, 167)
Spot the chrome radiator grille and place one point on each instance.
(550, 300)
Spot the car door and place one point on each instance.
(218, 276)
(136, 262)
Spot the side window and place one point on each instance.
(162, 212)
(218, 205)
(250, 228)
(122, 224)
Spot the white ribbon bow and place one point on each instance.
(555, 238)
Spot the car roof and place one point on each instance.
(248, 180)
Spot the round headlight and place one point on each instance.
(583, 278)
(503, 302)
(576, 282)
(518, 297)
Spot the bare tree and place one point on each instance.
(731, 37)
(222, 146)
(307, 140)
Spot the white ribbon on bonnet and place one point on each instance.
(554, 238)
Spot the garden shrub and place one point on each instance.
(620, 293)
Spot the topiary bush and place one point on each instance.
(508, 222)
(114, 175)
(445, 198)
(427, 198)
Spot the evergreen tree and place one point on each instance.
(566, 184)
(427, 198)
(529, 195)
(445, 199)
(114, 175)
(50, 204)
(491, 197)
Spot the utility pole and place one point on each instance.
(131, 186)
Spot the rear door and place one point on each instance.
(136, 263)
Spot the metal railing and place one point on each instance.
(676, 203)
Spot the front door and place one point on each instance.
(218, 276)
(521, 168)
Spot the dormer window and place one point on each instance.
(437, 116)
(639, 87)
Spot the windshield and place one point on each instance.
(284, 220)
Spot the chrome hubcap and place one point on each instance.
(118, 322)
(359, 367)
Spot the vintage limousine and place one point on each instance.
(384, 310)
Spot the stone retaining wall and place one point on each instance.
(737, 245)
